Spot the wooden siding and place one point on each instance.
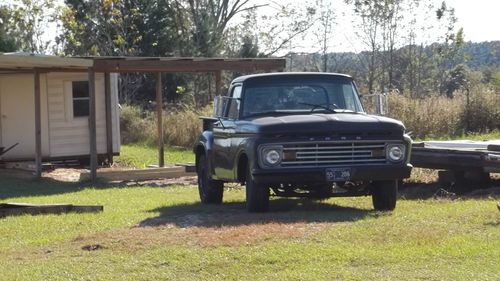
(69, 136)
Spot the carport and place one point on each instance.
(107, 65)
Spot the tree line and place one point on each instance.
(399, 52)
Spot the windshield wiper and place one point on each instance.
(325, 106)
(271, 112)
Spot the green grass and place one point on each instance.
(142, 155)
(149, 233)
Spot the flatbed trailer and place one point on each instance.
(459, 160)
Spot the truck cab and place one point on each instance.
(300, 135)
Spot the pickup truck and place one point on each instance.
(299, 135)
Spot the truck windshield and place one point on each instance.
(300, 97)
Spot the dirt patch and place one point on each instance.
(74, 175)
(64, 174)
(183, 181)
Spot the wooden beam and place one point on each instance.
(142, 174)
(109, 120)
(218, 82)
(92, 125)
(38, 126)
(159, 116)
(188, 65)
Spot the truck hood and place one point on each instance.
(322, 124)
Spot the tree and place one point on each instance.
(457, 79)
(325, 21)
(286, 23)
(7, 41)
(210, 19)
(448, 52)
(29, 21)
(370, 19)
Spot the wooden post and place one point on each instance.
(159, 113)
(92, 125)
(109, 121)
(218, 82)
(38, 126)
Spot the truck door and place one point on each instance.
(224, 132)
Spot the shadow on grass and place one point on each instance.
(235, 214)
(424, 191)
(15, 184)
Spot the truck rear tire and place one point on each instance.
(257, 195)
(384, 195)
(211, 191)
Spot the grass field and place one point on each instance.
(148, 233)
(142, 155)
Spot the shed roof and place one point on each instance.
(26, 62)
(22, 61)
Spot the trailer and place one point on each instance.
(460, 162)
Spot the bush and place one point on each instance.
(134, 125)
(181, 127)
(438, 116)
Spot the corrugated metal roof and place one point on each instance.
(23, 61)
(12, 62)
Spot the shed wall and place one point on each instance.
(69, 136)
(17, 117)
(62, 134)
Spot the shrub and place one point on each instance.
(134, 124)
(438, 116)
(181, 127)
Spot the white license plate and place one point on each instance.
(338, 174)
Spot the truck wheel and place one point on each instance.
(210, 190)
(384, 195)
(257, 195)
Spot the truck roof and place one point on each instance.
(289, 74)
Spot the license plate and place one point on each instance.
(338, 174)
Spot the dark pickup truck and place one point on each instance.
(300, 135)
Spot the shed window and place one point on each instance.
(80, 98)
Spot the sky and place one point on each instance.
(480, 20)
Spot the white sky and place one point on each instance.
(479, 18)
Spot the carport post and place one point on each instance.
(38, 126)
(109, 122)
(218, 82)
(92, 125)
(159, 113)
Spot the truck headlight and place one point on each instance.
(272, 156)
(395, 152)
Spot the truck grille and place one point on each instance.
(333, 153)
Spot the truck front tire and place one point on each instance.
(257, 195)
(384, 195)
(211, 191)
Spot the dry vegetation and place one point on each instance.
(438, 116)
(429, 117)
(181, 127)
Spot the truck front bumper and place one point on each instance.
(318, 174)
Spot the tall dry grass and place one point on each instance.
(438, 116)
(430, 117)
(181, 127)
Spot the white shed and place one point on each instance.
(64, 99)
(60, 108)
